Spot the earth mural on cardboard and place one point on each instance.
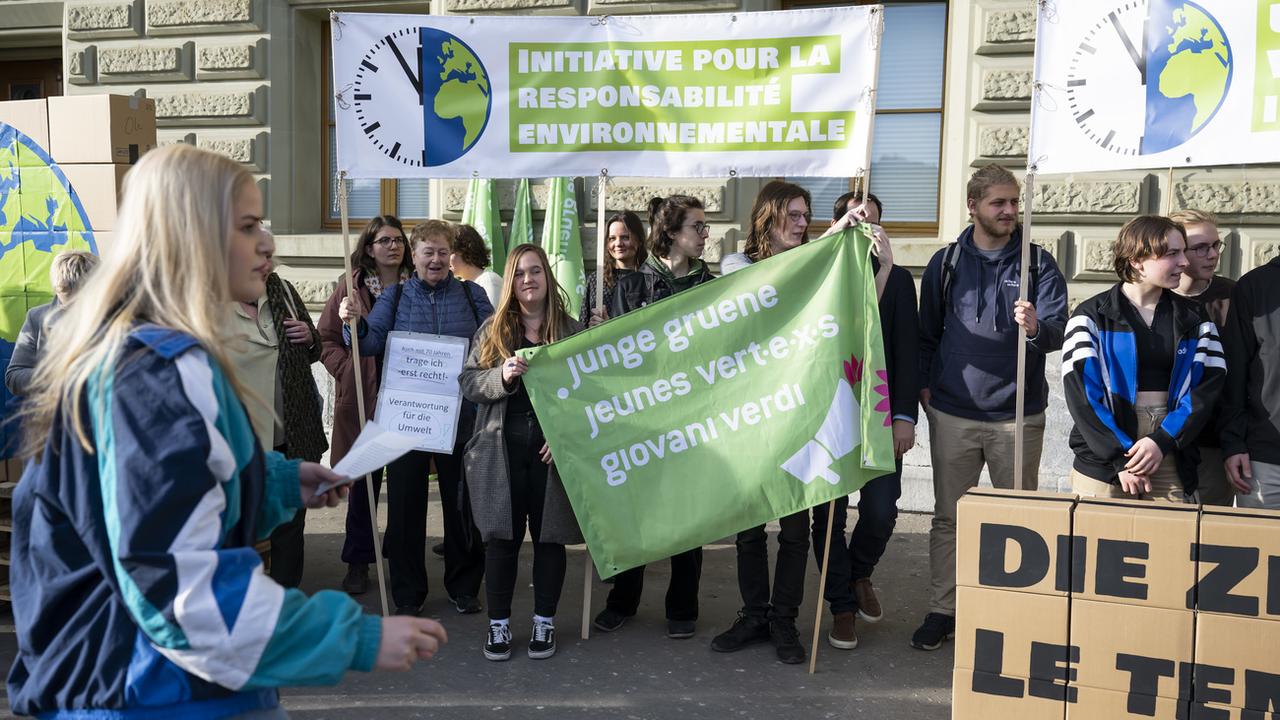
(40, 216)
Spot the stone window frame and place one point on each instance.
(904, 228)
(388, 191)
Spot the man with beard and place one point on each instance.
(969, 319)
(1199, 283)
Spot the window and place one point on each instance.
(407, 199)
(906, 152)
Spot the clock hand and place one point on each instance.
(413, 78)
(1139, 58)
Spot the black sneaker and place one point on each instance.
(497, 646)
(357, 580)
(543, 644)
(409, 610)
(786, 640)
(681, 629)
(746, 630)
(609, 620)
(438, 549)
(937, 628)
(466, 604)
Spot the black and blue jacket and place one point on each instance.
(1100, 377)
(451, 307)
(138, 590)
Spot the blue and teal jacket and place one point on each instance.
(138, 591)
(1100, 377)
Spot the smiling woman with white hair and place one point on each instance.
(68, 272)
(145, 488)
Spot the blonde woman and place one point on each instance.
(135, 520)
(510, 474)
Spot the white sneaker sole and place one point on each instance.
(841, 644)
(869, 618)
(497, 657)
(542, 654)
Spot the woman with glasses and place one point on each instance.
(1142, 368)
(1201, 283)
(625, 243)
(677, 236)
(431, 301)
(380, 260)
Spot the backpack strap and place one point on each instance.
(950, 256)
(475, 313)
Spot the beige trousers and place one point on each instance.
(1165, 484)
(959, 448)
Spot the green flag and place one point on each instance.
(522, 217)
(728, 405)
(482, 213)
(562, 241)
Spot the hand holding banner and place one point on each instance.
(723, 407)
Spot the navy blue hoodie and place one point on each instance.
(969, 346)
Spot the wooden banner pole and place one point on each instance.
(355, 368)
(1020, 393)
(822, 588)
(602, 233)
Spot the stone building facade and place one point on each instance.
(247, 78)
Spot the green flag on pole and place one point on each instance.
(721, 408)
(562, 241)
(522, 217)
(482, 213)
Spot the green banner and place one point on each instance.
(481, 212)
(522, 216)
(721, 408)
(563, 242)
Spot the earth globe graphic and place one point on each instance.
(456, 97)
(1189, 69)
(40, 216)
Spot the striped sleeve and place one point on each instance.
(1198, 376)
(170, 464)
(1086, 382)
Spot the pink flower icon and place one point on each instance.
(883, 389)
(853, 370)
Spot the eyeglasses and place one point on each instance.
(386, 240)
(700, 227)
(796, 216)
(1203, 250)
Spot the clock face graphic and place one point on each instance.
(1148, 75)
(388, 96)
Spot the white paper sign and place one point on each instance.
(420, 395)
(1130, 84)
(758, 94)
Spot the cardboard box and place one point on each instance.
(101, 128)
(969, 705)
(1134, 552)
(1209, 711)
(996, 629)
(1239, 562)
(1098, 704)
(1014, 540)
(99, 187)
(1115, 638)
(1233, 652)
(29, 117)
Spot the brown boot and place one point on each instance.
(868, 604)
(842, 635)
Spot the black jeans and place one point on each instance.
(528, 477)
(405, 542)
(682, 591)
(877, 515)
(357, 547)
(788, 581)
